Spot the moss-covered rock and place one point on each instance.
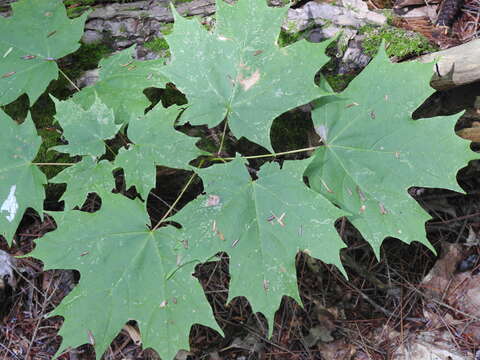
(399, 43)
(286, 37)
(159, 45)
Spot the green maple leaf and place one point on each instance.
(38, 33)
(95, 177)
(238, 70)
(121, 84)
(85, 130)
(374, 151)
(21, 182)
(155, 142)
(127, 272)
(261, 224)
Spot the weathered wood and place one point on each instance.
(471, 133)
(456, 66)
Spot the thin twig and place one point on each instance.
(46, 300)
(170, 209)
(9, 351)
(68, 79)
(53, 164)
(223, 137)
(269, 155)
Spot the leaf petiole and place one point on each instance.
(269, 155)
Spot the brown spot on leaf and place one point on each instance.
(8, 74)
(247, 83)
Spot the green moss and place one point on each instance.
(399, 42)
(389, 14)
(75, 8)
(290, 132)
(85, 58)
(290, 35)
(78, 2)
(89, 55)
(286, 38)
(74, 12)
(340, 81)
(17, 109)
(159, 45)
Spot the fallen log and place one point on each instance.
(456, 66)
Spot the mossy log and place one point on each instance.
(456, 66)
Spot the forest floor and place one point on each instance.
(408, 301)
(384, 305)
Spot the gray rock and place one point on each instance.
(142, 53)
(354, 58)
(323, 33)
(125, 24)
(354, 14)
(7, 267)
(358, 9)
(92, 37)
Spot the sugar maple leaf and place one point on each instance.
(262, 225)
(127, 272)
(239, 72)
(95, 177)
(21, 182)
(38, 33)
(155, 142)
(85, 130)
(121, 83)
(374, 151)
